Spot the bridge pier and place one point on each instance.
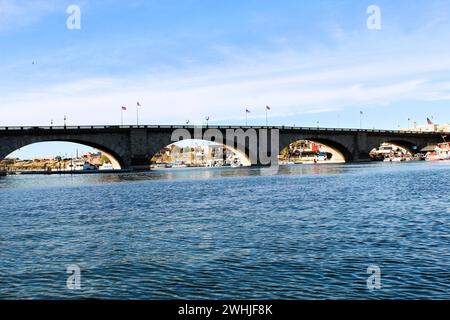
(360, 151)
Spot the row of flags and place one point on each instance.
(138, 104)
(248, 111)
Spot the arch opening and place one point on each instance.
(198, 153)
(61, 156)
(309, 151)
(396, 151)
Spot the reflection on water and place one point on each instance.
(32, 181)
(309, 231)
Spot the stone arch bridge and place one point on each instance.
(131, 147)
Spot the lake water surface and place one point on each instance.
(308, 232)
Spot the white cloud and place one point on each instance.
(19, 13)
(223, 92)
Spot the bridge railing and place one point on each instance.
(128, 127)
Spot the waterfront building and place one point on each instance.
(430, 127)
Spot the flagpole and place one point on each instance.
(121, 116)
(137, 114)
(360, 120)
(246, 117)
(267, 122)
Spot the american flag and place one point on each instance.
(267, 108)
(138, 104)
(124, 108)
(429, 121)
(246, 110)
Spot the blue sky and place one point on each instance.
(186, 59)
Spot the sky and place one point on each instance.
(312, 62)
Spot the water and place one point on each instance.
(309, 232)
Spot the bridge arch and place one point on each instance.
(116, 159)
(409, 146)
(337, 147)
(213, 153)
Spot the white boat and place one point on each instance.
(106, 166)
(236, 162)
(79, 166)
(441, 152)
(395, 157)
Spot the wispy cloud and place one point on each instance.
(20, 13)
(291, 87)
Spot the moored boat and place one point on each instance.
(441, 152)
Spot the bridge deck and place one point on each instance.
(116, 127)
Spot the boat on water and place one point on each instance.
(441, 152)
(394, 158)
(390, 153)
(236, 162)
(80, 166)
